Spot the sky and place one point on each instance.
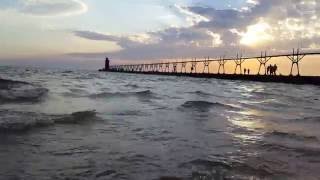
(83, 32)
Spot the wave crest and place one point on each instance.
(17, 91)
(76, 117)
(15, 121)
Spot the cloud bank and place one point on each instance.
(261, 24)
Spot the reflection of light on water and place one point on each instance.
(255, 113)
(245, 128)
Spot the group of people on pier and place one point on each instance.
(246, 71)
(272, 70)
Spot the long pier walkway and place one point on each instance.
(180, 68)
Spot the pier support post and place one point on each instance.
(206, 64)
(155, 67)
(239, 60)
(263, 62)
(175, 67)
(167, 67)
(183, 67)
(295, 59)
(160, 67)
(146, 67)
(194, 66)
(222, 62)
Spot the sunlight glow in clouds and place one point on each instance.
(216, 39)
(257, 34)
(191, 18)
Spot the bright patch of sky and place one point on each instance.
(33, 27)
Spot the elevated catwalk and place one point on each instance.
(180, 68)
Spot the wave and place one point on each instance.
(311, 119)
(134, 86)
(130, 113)
(205, 105)
(76, 117)
(142, 94)
(292, 136)
(16, 121)
(225, 168)
(200, 93)
(18, 91)
(67, 72)
(303, 151)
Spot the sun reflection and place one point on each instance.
(247, 127)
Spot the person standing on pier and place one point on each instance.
(245, 71)
(269, 70)
(275, 69)
(248, 71)
(175, 69)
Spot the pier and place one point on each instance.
(180, 68)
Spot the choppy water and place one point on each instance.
(59, 124)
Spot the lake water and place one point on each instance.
(58, 124)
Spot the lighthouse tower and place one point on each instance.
(107, 66)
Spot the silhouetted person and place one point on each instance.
(275, 68)
(174, 69)
(248, 71)
(269, 70)
(191, 69)
(245, 71)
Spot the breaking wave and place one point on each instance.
(17, 91)
(15, 121)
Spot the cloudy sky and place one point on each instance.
(84, 31)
